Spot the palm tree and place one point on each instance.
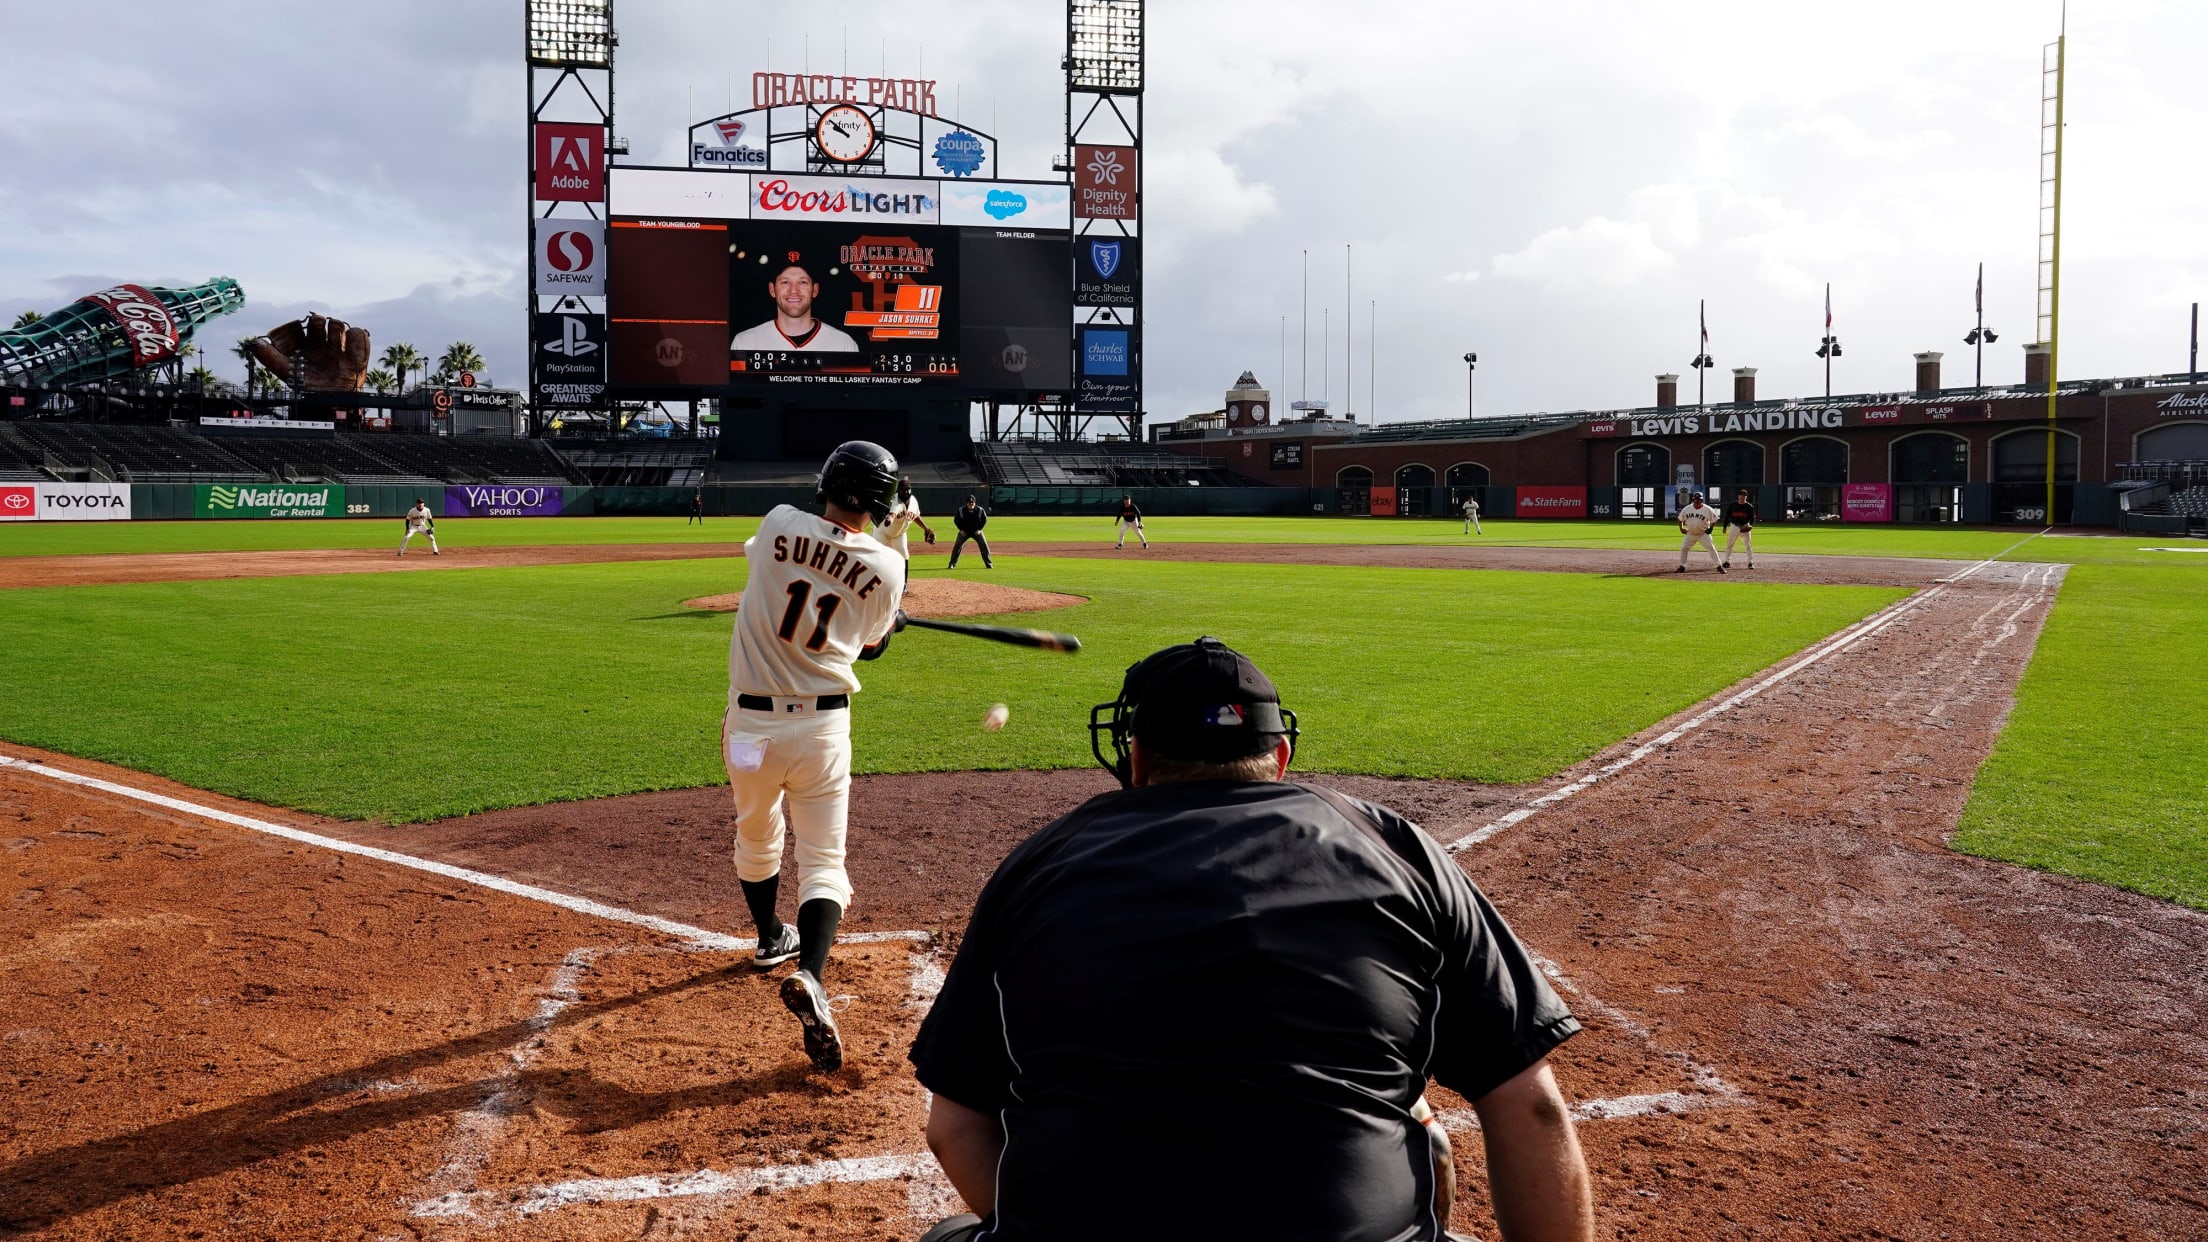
(200, 378)
(403, 359)
(459, 356)
(244, 350)
(27, 318)
(379, 381)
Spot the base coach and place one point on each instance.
(1207, 1005)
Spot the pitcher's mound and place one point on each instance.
(940, 597)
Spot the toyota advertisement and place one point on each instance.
(64, 502)
(823, 280)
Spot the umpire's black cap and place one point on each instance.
(1203, 700)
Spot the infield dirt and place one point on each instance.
(1808, 1018)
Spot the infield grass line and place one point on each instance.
(692, 937)
(1834, 645)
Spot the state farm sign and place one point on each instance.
(1104, 181)
(571, 163)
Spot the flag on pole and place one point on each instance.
(1828, 308)
(1703, 310)
(1980, 300)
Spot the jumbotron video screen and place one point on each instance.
(742, 302)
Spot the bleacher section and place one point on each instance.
(641, 465)
(2192, 505)
(20, 460)
(296, 459)
(138, 454)
(1046, 464)
(469, 459)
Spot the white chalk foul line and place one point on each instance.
(692, 937)
(1834, 645)
(602, 1190)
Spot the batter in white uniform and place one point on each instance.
(419, 522)
(1694, 527)
(903, 516)
(820, 593)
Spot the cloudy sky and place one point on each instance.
(1553, 186)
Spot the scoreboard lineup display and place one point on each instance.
(865, 288)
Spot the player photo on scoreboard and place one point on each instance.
(842, 302)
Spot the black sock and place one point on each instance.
(760, 895)
(816, 930)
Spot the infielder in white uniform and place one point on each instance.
(1472, 516)
(1694, 527)
(820, 593)
(419, 522)
(903, 516)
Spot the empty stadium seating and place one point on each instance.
(1046, 464)
(20, 460)
(138, 454)
(469, 459)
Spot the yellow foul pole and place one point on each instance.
(2054, 299)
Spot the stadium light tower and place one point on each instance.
(1829, 348)
(1104, 66)
(1471, 364)
(567, 44)
(1980, 336)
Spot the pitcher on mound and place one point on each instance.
(821, 593)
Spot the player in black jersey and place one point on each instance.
(1207, 1005)
(1740, 522)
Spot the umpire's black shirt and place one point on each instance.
(1204, 1011)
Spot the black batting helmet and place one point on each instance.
(859, 475)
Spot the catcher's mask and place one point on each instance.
(1201, 700)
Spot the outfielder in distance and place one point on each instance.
(821, 593)
(1695, 522)
(1129, 518)
(1472, 515)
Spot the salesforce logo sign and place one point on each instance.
(1004, 204)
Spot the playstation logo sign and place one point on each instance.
(574, 339)
(570, 361)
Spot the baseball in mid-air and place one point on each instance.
(996, 717)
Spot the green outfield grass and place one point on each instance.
(1824, 539)
(410, 696)
(2103, 770)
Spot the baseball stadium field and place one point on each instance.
(353, 895)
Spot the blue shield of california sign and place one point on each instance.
(1108, 273)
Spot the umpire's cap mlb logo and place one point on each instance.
(1227, 716)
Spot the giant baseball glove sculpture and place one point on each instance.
(332, 354)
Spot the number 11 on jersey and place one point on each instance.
(794, 615)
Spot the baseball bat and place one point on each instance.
(1047, 640)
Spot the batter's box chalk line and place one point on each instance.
(930, 1194)
(1705, 1088)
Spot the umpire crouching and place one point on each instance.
(1207, 1005)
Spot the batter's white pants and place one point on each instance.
(1743, 534)
(410, 538)
(806, 760)
(1687, 544)
(1135, 526)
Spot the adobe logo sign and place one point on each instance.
(571, 163)
(571, 256)
(18, 504)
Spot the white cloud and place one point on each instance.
(1599, 253)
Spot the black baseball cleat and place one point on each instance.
(776, 949)
(803, 996)
(1682, 569)
(1721, 569)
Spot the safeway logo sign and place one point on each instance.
(571, 256)
(571, 163)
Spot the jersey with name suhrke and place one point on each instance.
(815, 593)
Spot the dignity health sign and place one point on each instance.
(497, 500)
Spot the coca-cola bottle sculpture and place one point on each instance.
(112, 333)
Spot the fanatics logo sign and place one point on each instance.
(571, 163)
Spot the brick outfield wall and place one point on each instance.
(2106, 425)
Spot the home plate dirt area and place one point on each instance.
(1806, 1017)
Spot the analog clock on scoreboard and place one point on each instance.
(844, 134)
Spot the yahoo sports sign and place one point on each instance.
(503, 500)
